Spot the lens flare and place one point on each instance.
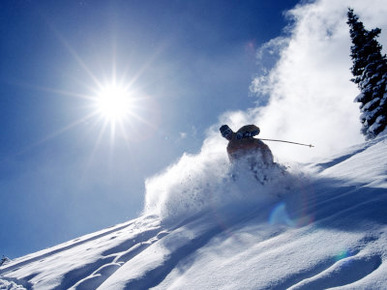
(279, 216)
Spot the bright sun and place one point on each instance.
(114, 103)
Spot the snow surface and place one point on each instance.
(319, 226)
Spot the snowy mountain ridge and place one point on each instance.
(322, 226)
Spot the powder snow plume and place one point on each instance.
(207, 181)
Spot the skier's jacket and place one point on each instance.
(239, 147)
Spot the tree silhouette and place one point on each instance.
(370, 74)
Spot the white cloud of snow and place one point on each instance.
(310, 101)
(186, 187)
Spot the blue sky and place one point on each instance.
(63, 172)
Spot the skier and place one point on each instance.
(242, 145)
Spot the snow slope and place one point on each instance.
(321, 226)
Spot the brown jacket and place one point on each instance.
(238, 148)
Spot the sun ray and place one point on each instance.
(97, 144)
(74, 54)
(58, 132)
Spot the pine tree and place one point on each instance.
(370, 74)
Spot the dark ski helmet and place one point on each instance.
(226, 132)
(247, 131)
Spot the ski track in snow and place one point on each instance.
(149, 253)
(90, 275)
(97, 272)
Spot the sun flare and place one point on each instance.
(114, 103)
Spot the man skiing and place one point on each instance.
(242, 146)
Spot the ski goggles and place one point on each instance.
(241, 135)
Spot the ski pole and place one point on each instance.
(275, 140)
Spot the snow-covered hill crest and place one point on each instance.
(321, 227)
